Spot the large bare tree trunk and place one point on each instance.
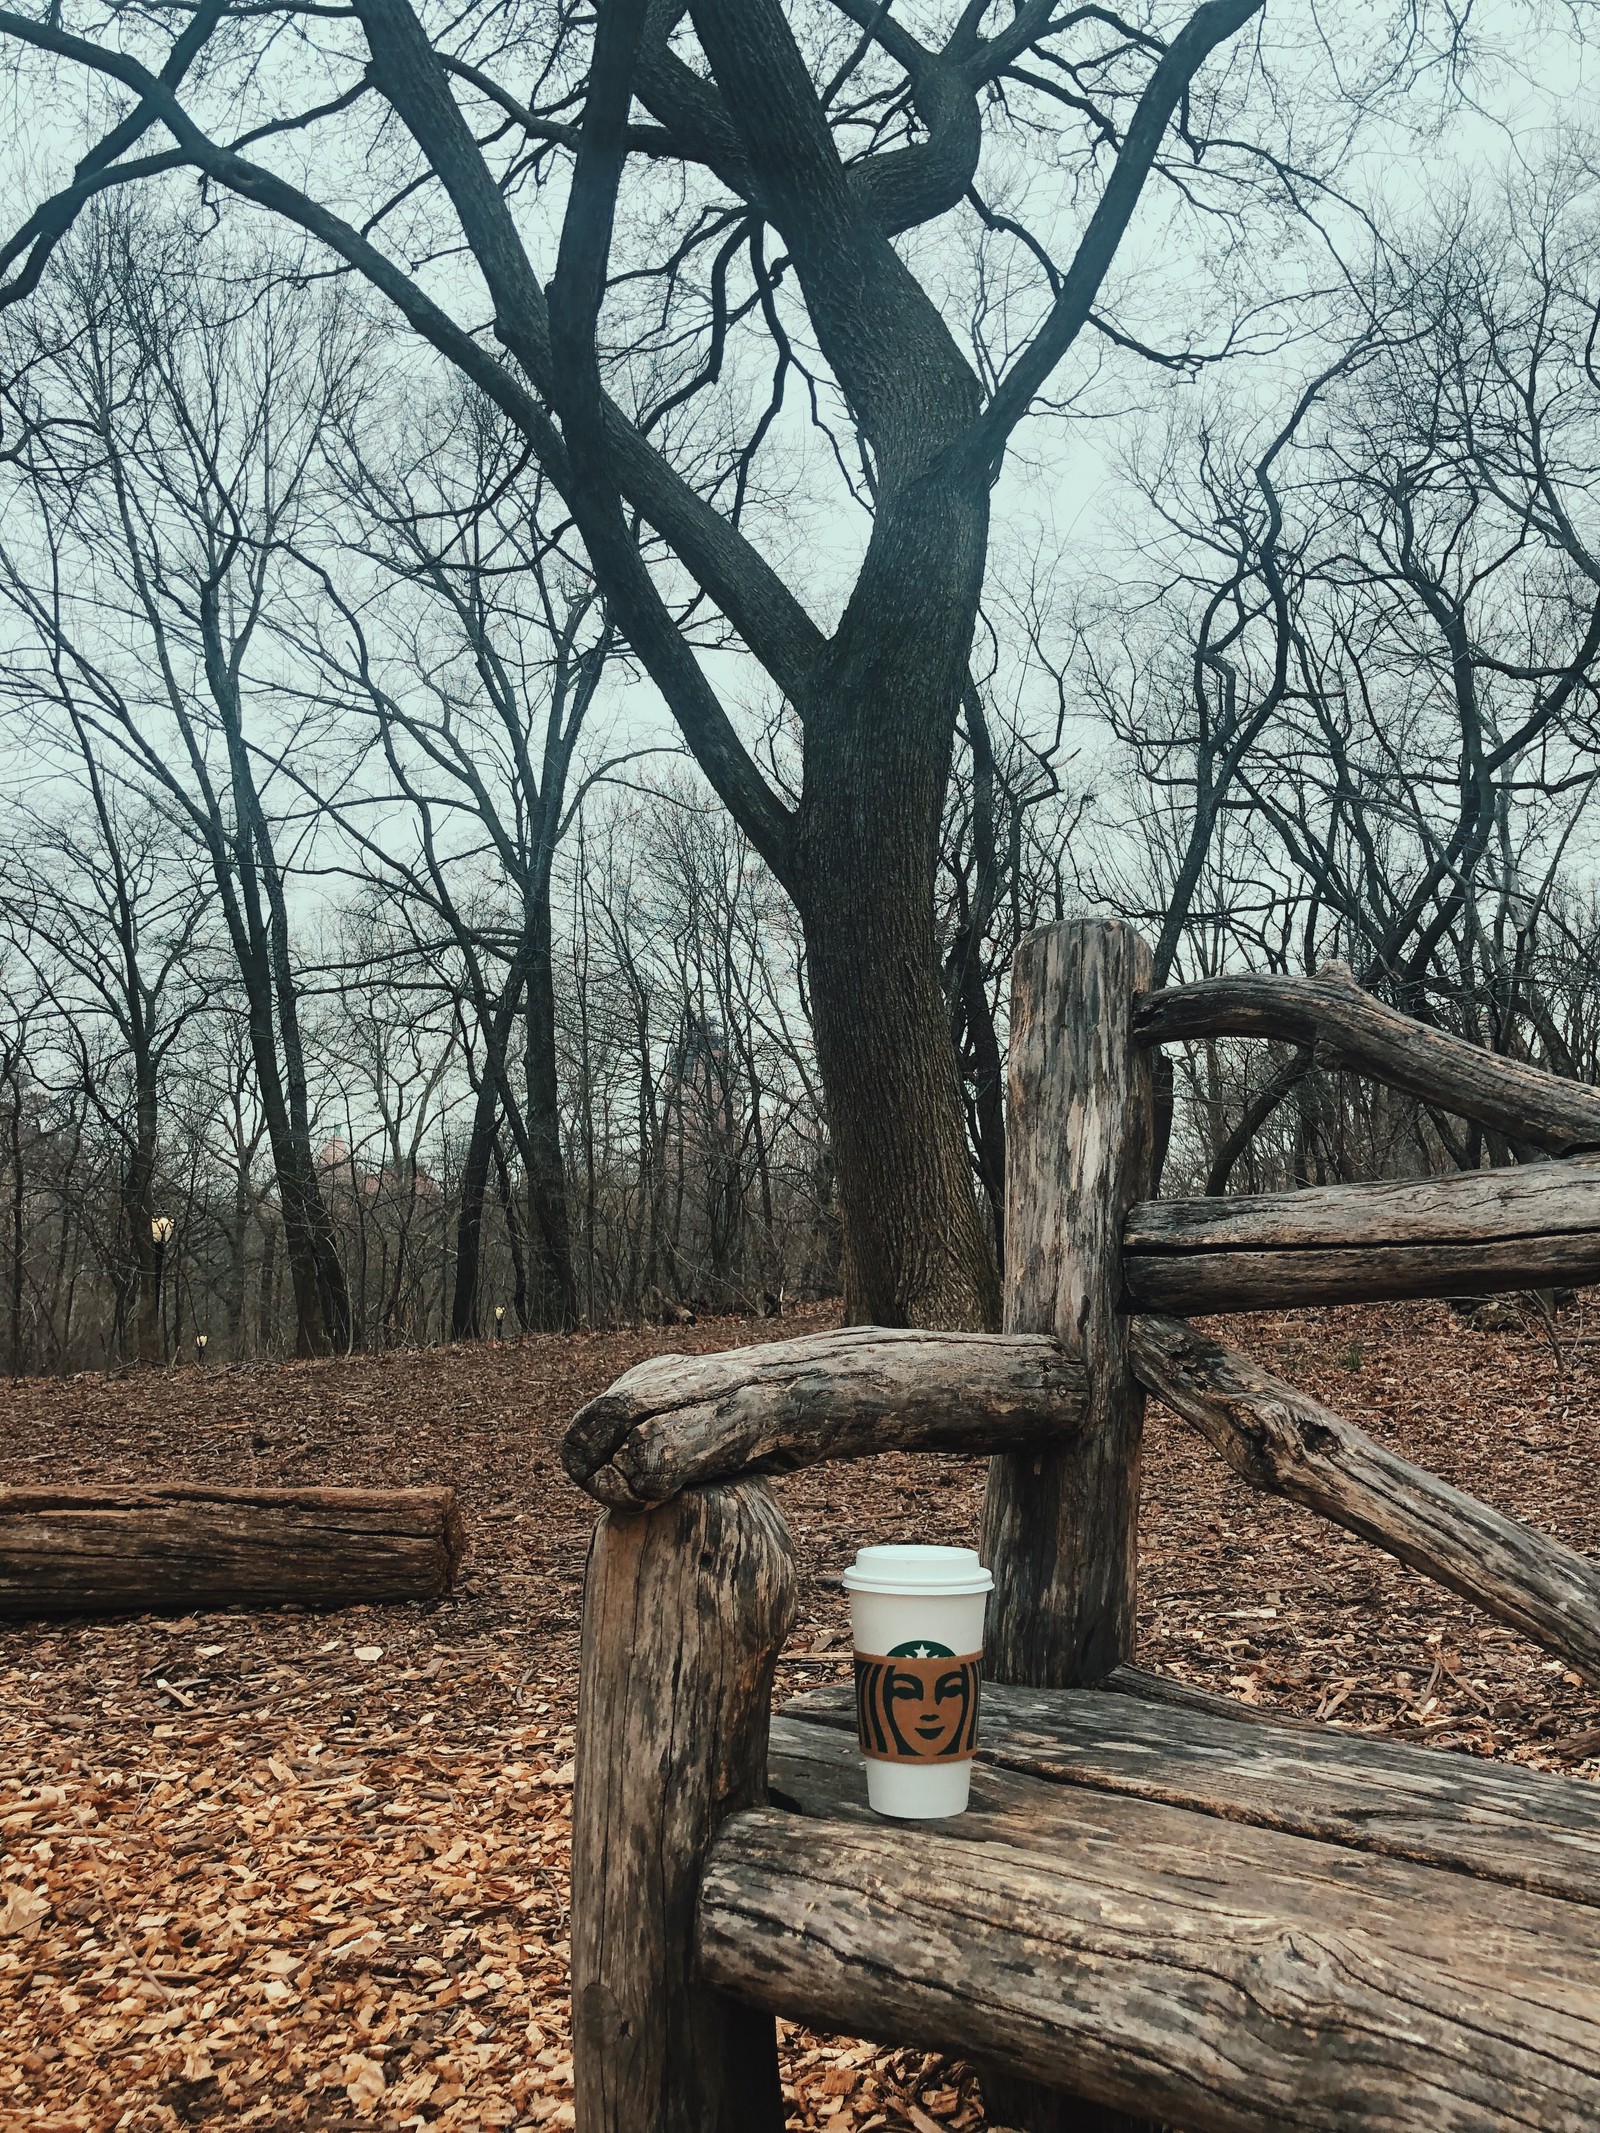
(915, 1252)
(877, 762)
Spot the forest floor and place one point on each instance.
(293, 1870)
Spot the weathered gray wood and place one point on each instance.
(156, 1547)
(1060, 1526)
(679, 1420)
(684, 1613)
(1282, 1441)
(1227, 1978)
(1350, 1028)
(1478, 1231)
(1522, 1828)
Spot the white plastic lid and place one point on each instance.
(923, 1572)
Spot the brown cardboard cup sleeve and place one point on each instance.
(917, 1710)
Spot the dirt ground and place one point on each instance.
(310, 1870)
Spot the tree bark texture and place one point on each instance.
(1225, 1978)
(684, 1614)
(116, 1550)
(1348, 1027)
(1060, 1526)
(1283, 1442)
(1477, 1231)
(878, 742)
(677, 1421)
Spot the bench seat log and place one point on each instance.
(1224, 1978)
(1282, 1441)
(1158, 1940)
(137, 1548)
(1534, 1225)
(680, 1420)
(1521, 1828)
(1350, 1028)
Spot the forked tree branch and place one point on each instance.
(896, 360)
(1211, 25)
(564, 363)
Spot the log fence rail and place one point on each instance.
(1534, 1225)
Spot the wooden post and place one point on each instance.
(685, 1611)
(1061, 1526)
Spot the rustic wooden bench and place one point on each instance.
(1161, 1907)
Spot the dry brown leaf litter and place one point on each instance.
(310, 1870)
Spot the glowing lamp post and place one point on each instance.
(200, 1343)
(499, 1321)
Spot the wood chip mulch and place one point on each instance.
(294, 1870)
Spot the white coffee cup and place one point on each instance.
(917, 1620)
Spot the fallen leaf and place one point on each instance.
(363, 2081)
(22, 1910)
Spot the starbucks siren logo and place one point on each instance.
(918, 1703)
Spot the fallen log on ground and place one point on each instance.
(1477, 1231)
(1350, 1028)
(135, 1550)
(1284, 1442)
(678, 1421)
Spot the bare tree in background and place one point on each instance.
(105, 903)
(1392, 759)
(171, 425)
(700, 1151)
(478, 662)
